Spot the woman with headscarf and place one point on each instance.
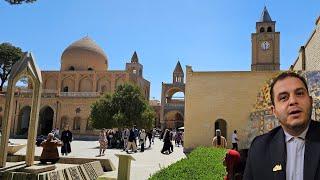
(50, 151)
(103, 142)
(66, 138)
(167, 144)
(219, 141)
(142, 139)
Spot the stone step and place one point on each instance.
(111, 175)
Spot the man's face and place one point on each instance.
(292, 105)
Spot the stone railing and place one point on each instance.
(171, 106)
(80, 94)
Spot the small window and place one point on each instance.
(65, 89)
(71, 68)
(134, 71)
(269, 29)
(262, 29)
(90, 69)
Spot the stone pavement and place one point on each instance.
(146, 164)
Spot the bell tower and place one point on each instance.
(178, 75)
(265, 44)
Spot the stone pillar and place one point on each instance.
(124, 166)
(76, 83)
(33, 124)
(94, 83)
(6, 122)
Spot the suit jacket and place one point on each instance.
(269, 150)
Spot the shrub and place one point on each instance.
(201, 163)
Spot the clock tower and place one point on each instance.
(265, 45)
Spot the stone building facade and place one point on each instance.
(309, 54)
(68, 93)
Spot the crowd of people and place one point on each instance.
(129, 140)
(133, 139)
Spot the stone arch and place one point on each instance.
(262, 29)
(170, 92)
(269, 29)
(51, 83)
(85, 85)
(23, 121)
(45, 120)
(76, 123)
(64, 122)
(24, 67)
(103, 85)
(222, 125)
(68, 82)
(174, 119)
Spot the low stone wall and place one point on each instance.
(87, 171)
(105, 163)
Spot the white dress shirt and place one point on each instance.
(295, 155)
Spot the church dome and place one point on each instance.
(83, 55)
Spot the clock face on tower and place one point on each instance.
(265, 45)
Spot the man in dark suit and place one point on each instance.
(292, 150)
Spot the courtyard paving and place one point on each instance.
(146, 164)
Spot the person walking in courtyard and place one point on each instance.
(50, 150)
(167, 144)
(103, 142)
(66, 138)
(154, 132)
(125, 138)
(149, 135)
(219, 141)
(178, 138)
(132, 141)
(290, 151)
(142, 139)
(234, 140)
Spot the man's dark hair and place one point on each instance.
(283, 76)
(235, 131)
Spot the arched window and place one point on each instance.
(262, 29)
(76, 124)
(65, 89)
(90, 69)
(269, 29)
(71, 68)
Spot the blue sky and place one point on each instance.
(209, 35)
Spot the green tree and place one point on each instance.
(15, 2)
(148, 118)
(125, 107)
(9, 55)
(101, 113)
